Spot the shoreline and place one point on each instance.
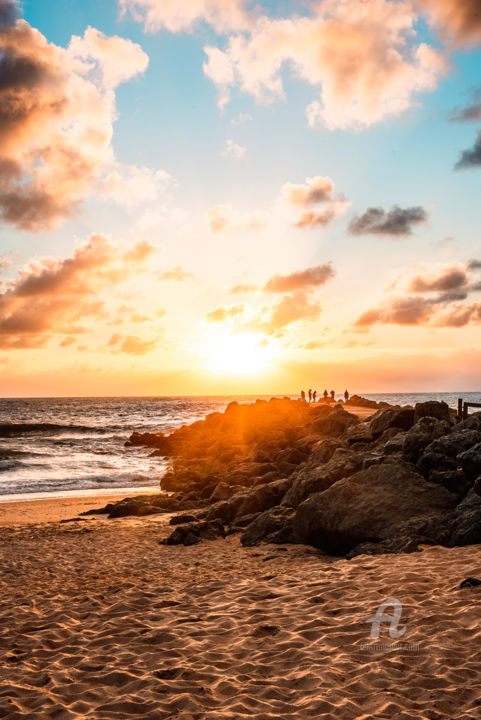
(35, 511)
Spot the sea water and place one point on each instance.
(72, 445)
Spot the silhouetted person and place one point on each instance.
(333, 395)
(303, 395)
(314, 395)
(325, 394)
(346, 396)
(310, 394)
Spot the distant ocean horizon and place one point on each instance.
(64, 446)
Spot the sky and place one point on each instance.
(229, 197)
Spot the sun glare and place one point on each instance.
(228, 354)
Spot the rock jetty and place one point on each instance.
(283, 471)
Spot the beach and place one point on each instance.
(101, 621)
(321, 566)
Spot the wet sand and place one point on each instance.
(100, 621)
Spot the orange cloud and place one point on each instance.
(449, 279)
(446, 309)
(292, 308)
(240, 289)
(224, 219)
(222, 313)
(55, 296)
(459, 20)
(316, 190)
(362, 55)
(182, 15)
(301, 279)
(133, 345)
(177, 273)
(57, 108)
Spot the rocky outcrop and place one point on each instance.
(274, 526)
(314, 477)
(285, 471)
(402, 419)
(421, 434)
(471, 461)
(193, 533)
(368, 506)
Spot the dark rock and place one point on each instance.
(99, 511)
(421, 435)
(267, 478)
(434, 461)
(359, 434)
(261, 498)
(395, 445)
(472, 422)
(455, 442)
(157, 440)
(223, 510)
(293, 456)
(312, 477)
(257, 500)
(464, 523)
(141, 505)
(335, 422)
(323, 450)
(182, 519)
(476, 487)
(470, 582)
(432, 408)
(285, 469)
(453, 480)
(471, 460)
(272, 526)
(358, 401)
(367, 507)
(222, 491)
(384, 419)
(245, 520)
(193, 533)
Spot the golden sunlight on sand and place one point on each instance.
(100, 621)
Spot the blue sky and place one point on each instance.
(167, 120)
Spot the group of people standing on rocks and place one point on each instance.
(312, 395)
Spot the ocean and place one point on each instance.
(64, 446)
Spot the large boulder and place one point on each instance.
(273, 526)
(433, 409)
(422, 433)
(471, 461)
(442, 453)
(368, 506)
(453, 480)
(312, 477)
(431, 461)
(455, 442)
(335, 422)
(464, 522)
(193, 533)
(403, 419)
(472, 422)
(260, 498)
(142, 505)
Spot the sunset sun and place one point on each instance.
(229, 354)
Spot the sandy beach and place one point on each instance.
(98, 620)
